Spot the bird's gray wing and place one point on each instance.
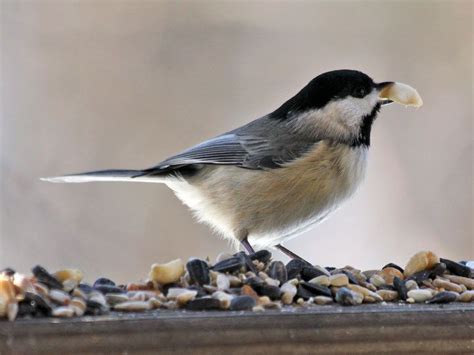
(262, 144)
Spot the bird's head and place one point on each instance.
(341, 105)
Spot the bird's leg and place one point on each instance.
(289, 253)
(245, 243)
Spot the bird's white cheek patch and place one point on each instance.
(339, 118)
(351, 110)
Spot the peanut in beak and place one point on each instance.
(401, 93)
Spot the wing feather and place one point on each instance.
(255, 146)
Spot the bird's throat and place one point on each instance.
(363, 139)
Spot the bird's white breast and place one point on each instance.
(274, 205)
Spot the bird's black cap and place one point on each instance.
(336, 84)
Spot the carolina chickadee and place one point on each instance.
(273, 178)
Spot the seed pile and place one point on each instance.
(235, 282)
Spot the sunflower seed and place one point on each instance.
(105, 289)
(263, 256)
(457, 268)
(401, 288)
(316, 290)
(203, 304)
(271, 291)
(294, 268)
(395, 266)
(198, 271)
(103, 281)
(310, 272)
(46, 278)
(277, 271)
(229, 265)
(242, 303)
(444, 297)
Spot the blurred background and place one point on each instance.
(89, 85)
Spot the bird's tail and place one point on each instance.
(106, 175)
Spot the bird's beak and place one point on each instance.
(400, 93)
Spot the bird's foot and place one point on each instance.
(245, 243)
(289, 253)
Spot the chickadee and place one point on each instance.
(273, 178)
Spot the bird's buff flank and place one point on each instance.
(273, 178)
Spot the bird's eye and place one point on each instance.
(359, 92)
